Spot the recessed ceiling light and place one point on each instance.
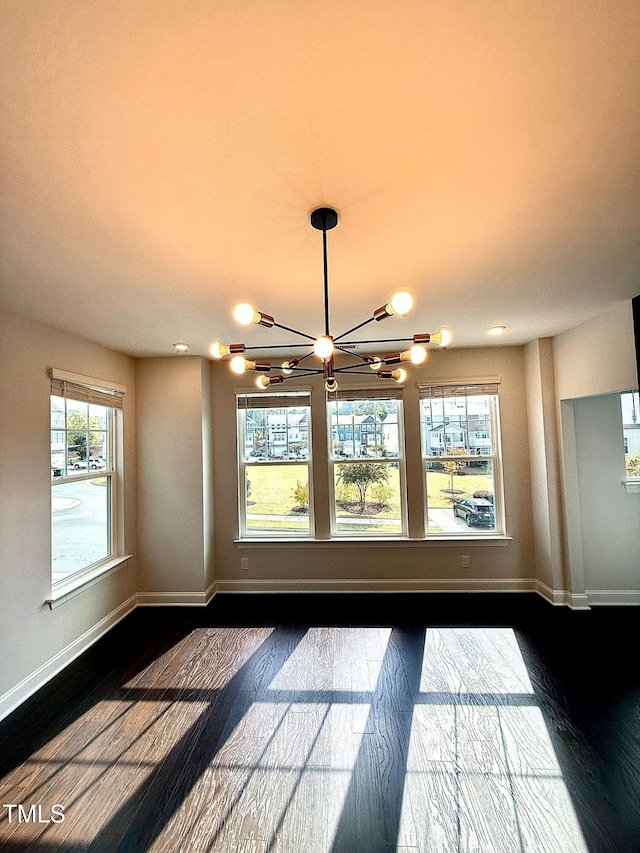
(180, 346)
(497, 330)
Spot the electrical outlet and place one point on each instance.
(244, 564)
(466, 562)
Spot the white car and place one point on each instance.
(94, 464)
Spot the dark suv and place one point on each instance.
(475, 511)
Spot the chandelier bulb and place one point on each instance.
(401, 303)
(263, 382)
(323, 347)
(245, 314)
(239, 365)
(400, 375)
(443, 338)
(417, 354)
(331, 384)
(218, 350)
(288, 366)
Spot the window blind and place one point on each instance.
(86, 393)
(430, 392)
(274, 401)
(355, 394)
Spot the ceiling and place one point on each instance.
(160, 158)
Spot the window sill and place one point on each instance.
(68, 589)
(441, 542)
(631, 486)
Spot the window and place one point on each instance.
(367, 462)
(461, 457)
(631, 433)
(274, 450)
(85, 419)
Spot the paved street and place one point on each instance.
(78, 526)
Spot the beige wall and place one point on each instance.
(597, 357)
(174, 479)
(594, 359)
(543, 454)
(30, 633)
(331, 565)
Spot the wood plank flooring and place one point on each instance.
(337, 724)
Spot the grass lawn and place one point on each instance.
(468, 484)
(272, 495)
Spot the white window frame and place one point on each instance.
(355, 395)
(491, 387)
(69, 584)
(244, 464)
(631, 484)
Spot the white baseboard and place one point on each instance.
(54, 665)
(376, 585)
(614, 597)
(177, 599)
(560, 597)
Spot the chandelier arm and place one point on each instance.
(307, 369)
(379, 341)
(279, 346)
(294, 331)
(346, 367)
(355, 328)
(306, 373)
(351, 353)
(358, 372)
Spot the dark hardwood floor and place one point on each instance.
(336, 724)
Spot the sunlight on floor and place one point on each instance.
(482, 773)
(431, 741)
(354, 656)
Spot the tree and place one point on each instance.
(362, 475)
(632, 464)
(451, 467)
(77, 432)
(301, 495)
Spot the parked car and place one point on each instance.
(94, 464)
(475, 511)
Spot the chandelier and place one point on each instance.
(326, 346)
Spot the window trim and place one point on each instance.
(244, 534)
(71, 584)
(355, 395)
(495, 458)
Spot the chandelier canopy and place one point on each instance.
(325, 347)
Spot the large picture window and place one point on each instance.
(367, 462)
(274, 450)
(461, 456)
(83, 440)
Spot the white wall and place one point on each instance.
(610, 518)
(32, 635)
